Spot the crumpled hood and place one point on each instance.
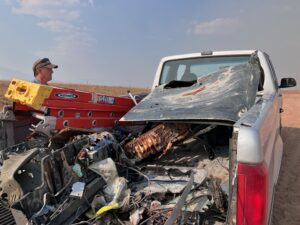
(221, 96)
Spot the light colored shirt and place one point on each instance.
(36, 81)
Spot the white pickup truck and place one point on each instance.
(216, 88)
(205, 148)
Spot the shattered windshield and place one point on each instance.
(192, 69)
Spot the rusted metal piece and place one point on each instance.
(219, 198)
(66, 134)
(159, 139)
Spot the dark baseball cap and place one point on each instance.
(41, 63)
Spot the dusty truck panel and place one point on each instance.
(221, 96)
(258, 125)
(260, 143)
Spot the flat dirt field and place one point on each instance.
(287, 197)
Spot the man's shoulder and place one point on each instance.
(36, 81)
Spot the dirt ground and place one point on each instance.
(287, 196)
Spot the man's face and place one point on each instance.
(46, 74)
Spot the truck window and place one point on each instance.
(175, 69)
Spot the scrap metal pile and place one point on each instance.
(161, 175)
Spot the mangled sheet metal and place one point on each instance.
(174, 182)
(221, 96)
(90, 180)
(11, 175)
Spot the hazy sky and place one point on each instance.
(118, 42)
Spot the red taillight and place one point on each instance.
(252, 195)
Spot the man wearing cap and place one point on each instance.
(43, 69)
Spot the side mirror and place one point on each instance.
(287, 82)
